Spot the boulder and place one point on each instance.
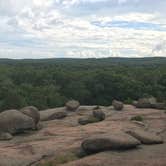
(52, 114)
(160, 106)
(99, 114)
(32, 112)
(118, 105)
(13, 122)
(72, 105)
(104, 142)
(150, 102)
(145, 137)
(87, 120)
(5, 136)
(57, 115)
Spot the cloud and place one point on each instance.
(56, 28)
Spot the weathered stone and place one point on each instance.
(51, 114)
(5, 136)
(145, 137)
(13, 122)
(87, 120)
(116, 141)
(32, 112)
(118, 105)
(99, 114)
(72, 105)
(146, 102)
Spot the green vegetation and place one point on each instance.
(137, 118)
(61, 159)
(51, 82)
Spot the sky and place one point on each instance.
(82, 28)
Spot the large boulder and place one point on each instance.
(32, 112)
(52, 114)
(150, 102)
(99, 114)
(72, 105)
(116, 141)
(145, 137)
(13, 122)
(118, 105)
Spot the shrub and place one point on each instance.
(137, 118)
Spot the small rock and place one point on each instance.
(72, 105)
(145, 137)
(118, 105)
(87, 120)
(117, 141)
(5, 136)
(13, 122)
(146, 102)
(99, 114)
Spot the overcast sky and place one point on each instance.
(82, 28)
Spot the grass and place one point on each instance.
(61, 159)
(137, 118)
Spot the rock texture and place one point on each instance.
(13, 122)
(52, 114)
(32, 112)
(145, 137)
(146, 102)
(72, 105)
(118, 105)
(65, 136)
(99, 114)
(114, 141)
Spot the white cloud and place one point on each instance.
(40, 28)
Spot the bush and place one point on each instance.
(61, 159)
(137, 118)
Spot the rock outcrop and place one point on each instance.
(114, 141)
(145, 137)
(52, 114)
(32, 112)
(13, 122)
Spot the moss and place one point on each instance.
(61, 159)
(137, 118)
(128, 101)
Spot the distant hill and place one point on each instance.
(101, 61)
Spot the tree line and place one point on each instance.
(51, 82)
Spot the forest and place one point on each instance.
(49, 83)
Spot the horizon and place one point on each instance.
(75, 58)
(82, 29)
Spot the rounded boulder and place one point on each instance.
(72, 105)
(118, 141)
(32, 112)
(13, 122)
(118, 105)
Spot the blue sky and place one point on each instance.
(82, 28)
